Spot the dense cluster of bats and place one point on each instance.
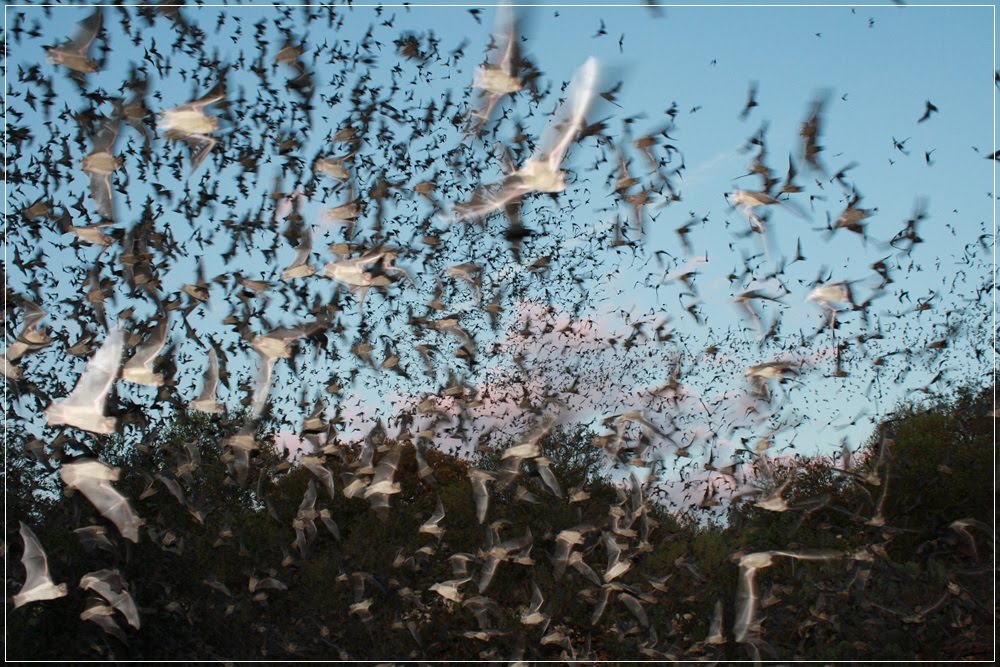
(188, 279)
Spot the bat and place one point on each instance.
(139, 369)
(73, 53)
(101, 163)
(93, 479)
(109, 585)
(496, 80)
(540, 172)
(38, 585)
(206, 399)
(746, 594)
(190, 124)
(84, 407)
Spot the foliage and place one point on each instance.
(912, 587)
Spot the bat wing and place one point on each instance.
(816, 554)
(308, 503)
(263, 384)
(38, 585)
(114, 507)
(138, 369)
(438, 515)
(480, 492)
(93, 479)
(299, 266)
(105, 140)
(569, 118)
(492, 198)
(100, 613)
(206, 400)
(109, 585)
(86, 32)
(33, 314)
(323, 474)
(215, 95)
(100, 190)
(386, 469)
(745, 600)
(507, 25)
(84, 407)
(635, 607)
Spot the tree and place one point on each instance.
(220, 570)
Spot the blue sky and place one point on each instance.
(878, 66)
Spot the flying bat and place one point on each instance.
(100, 164)
(93, 479)
(84, 407)
(73, 53)
(189, 123)
(139, 369)
(38, 585)
(498, 79)
(541, 172)
(206, 399)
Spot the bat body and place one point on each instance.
(93, 479)
(84, 407)
(541, 172)
(38, 585)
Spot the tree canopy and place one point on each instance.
(888, 553)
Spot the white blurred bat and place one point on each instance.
(541, 172)
(746, 594)
(206, 400)
(715, 633)
(109, 585)
(314, 464)
(480, 492)
(498, 79)
(101, 163)
(189, 123)
(84, 407)
(300, 267)
(38, 585)
(93, 479)
(383, 485)
(95, 537)
(433, 525)
(534, 615)
(73, 53)
(101, 614)
(263, 387)
(30, 338)
(139, 369)
(241, 445)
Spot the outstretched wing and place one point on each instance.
(206, 400)
(73, 53)
(569, 118)
(300, 268)
(93, 479)
(138, 369)
(84, 407)
(86, 32)
(491, 199)
(109, 585)
(38, 585)
(263, 388)
(217, 94)
(100, 190)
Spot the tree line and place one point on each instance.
(281, 568)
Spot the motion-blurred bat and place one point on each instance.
(38, 585)
(93, 479)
